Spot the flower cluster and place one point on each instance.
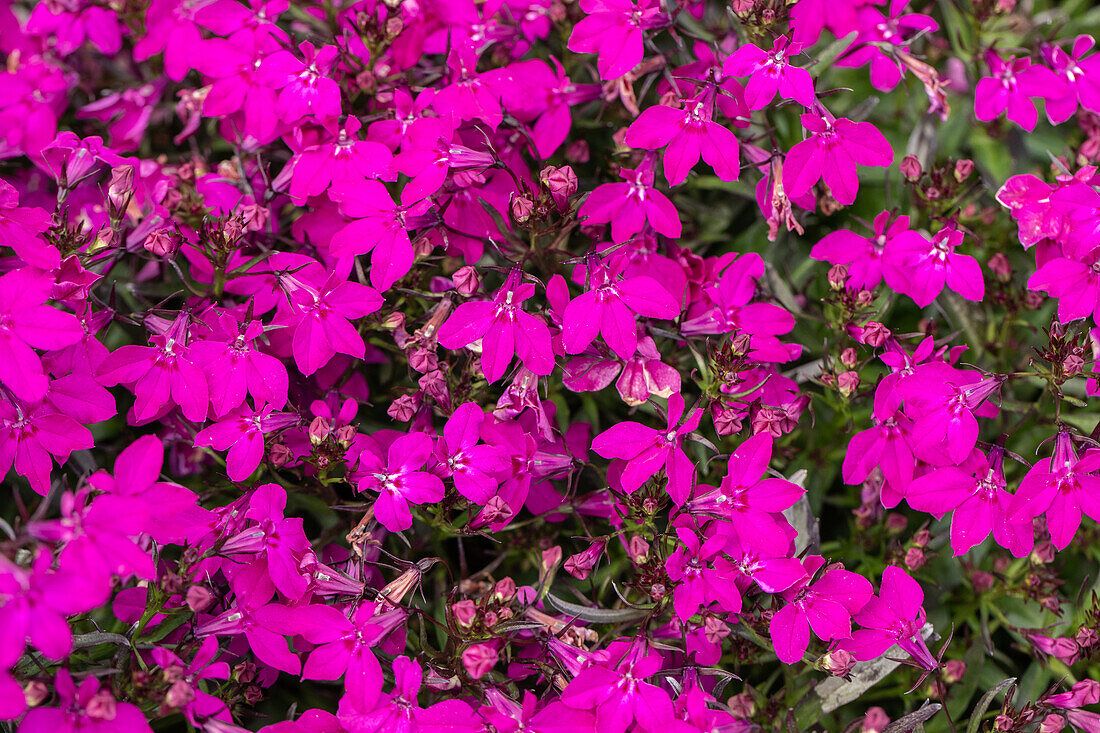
(510, 365)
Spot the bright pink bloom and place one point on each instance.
(895, 616)
(1011, 86)
(26, 322)
(84, 709)
(648, 450)
(630, 206)
(702, 575)
(470, 464)
(609, 307)
(771, 72)
(831, 153)
(241, 431)
(1081, 75)
(826, 606)
(505, 330)
(920, 269)
(1062, 487)
(398, 479)
(614, 30)
(863, 255)
(688, 132)
(618, 691)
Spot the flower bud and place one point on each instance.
(467, 280)
(838, 276)
(1043, 552)
(953, 671)
(102, 706)
(896, 522)
(637, 550)
(742, 705)
(578, 152)
(504, 591)
(35, 693)
(583, 563)
(180, 694)
(522, 208)
(874, 334)
(911, 168)
(1000, 266)
(561, 183)
(121, 187)
(345, 434)
(479, 659)
(1072, 365)
(280, 455)
(847, 383)
(404, 407)
(1052, 724)
(199, 598)
(981, 580)
(875, 720)
(838, 663)
(848, 357)
(963, 169)
(921, 538)
(162, 242)
(465, 613)
(1086, 637)
(914, 558)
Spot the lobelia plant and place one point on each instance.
(396, 366)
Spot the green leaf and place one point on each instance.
(597, 615)
(984, 703)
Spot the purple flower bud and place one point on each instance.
(561, 183)
(162, 242)
(121, 187)
(838, 663)
(911, 168)
(319, 429)
(199, 598)
(467, 280)
(465, 613)
(480, 659)
(963, 169)
(522, 208)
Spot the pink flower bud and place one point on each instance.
(467, 280)
(981, 580)
(874, 720)
(922, 537)
(561, 183)
(637, 549)
(582, 564)
(522, 208)
(121, 187)
(1000, 266)
(180, 694)
(838, 663)
(35, 693)
(953, 671)
(874, 334)
(742, 705)
(914, 558)
(848, 357)
(911, 168)
(1004, 723)
(479, 660)
(847, 383)
(963, 169)
(404, 407)
(1052, 724)
(199, 598)
(1072, 365)
(505, 590)
(319, 429)
(465, 613)
(162, 242)
(1086, 637)
(102, 706)
(551, 557)
(896, 522)
(255, 217)
(578, 152)
(280, 455)
(838, 276)
(1043, 552)
(345, 434)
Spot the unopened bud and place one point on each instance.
(319, 429)
(121, 187)
(847, 383)
(199, 598)
(914, 558)
(848, 357)
(162, 242)
(467, 280)
(838, 276)
(953, 671)
(522, 208)
(465, 613)
(963, 169)
(838, 663)
(911, 168)
(578, 152)
(1000, 267)
(561, 183)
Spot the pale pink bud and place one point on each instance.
(838, 663)
(199, 598)
(479, 660)
(35, 693)
(551, 557)
(637, 549)
(280, 455)
(847, 383)
(953, 671)
(1052, 724)
(1086, 637)
(922, 537)
(874, 334)
(578, 152)
(914, 558)
(561, 183)
(1000, 266)
(404, 407)
(102, 706)
(963, 169)
(345, 434)
(522, 208)
(848, 357)
(896, 522)
(742, 705)
(467, 280)
(162, 242)
(505, 590)
(1072, 365)
(1043, 552)
(911, 168)
(838, 276)
(121, 187)
(981, 580)
(875, 720)
(465, 613)
(319, 429)
(179, 695)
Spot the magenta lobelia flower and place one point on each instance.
(771, 72)
(398, 479)
(618, 691)
(1063, 488)
(895, 616)
(1011, 87)
(630, 206)
(504, 328)
(688, 133)
(831, 153)
(648, 450)
(826, 606)
(613, 29)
